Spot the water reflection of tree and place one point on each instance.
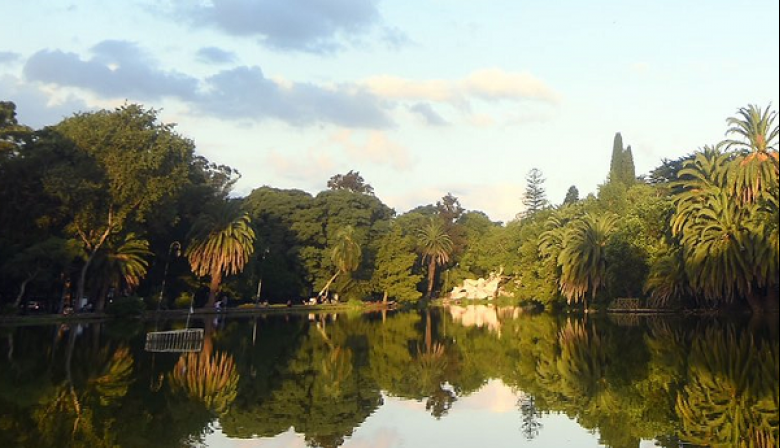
(731, 397)
(208, 377)
(322, 384)
(82, 406)
(583, 366)
(529, 415)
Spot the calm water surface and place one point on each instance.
(457, 377)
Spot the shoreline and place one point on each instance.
(198, 312)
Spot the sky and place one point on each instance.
(423, 97)
(488, 417)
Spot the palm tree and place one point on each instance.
(704, 175)
(436, 247)
(221, 242)
(345, 254)
(729, 246)
(755, 129)
(667, 278)
(583, 259)
(121, 264)
(756, 172)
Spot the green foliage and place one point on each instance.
(621, 166)
(132, 306)
(395, 258)
(583, 257)
(221, 242)
(183, 301)
(572, 195)
(435, 245)
(352, 181)
(729, 249)
(535, 197)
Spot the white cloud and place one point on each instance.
(501, 202)
(309, 169)
(488, 84)
(496, 84)
(382, 438)
(36, 105)
(495, 396)
(373, 147)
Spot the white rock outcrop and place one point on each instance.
(478, 289)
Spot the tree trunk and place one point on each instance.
(428, 333)
(384, 298)
(216, 279)
(103, 293)
(327, 285)
(23, 288)
(82, 284)
(65, 288)
(431, 276)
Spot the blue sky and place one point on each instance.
(423, 98)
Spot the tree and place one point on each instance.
(394, 262)
(756, 173)
(352, 181)
(572, 195)
(621, 166)
(583, 259)
(116, 168)
(37, 260)
(345, 255)
(449, 209)
(12, 134)
(120, 264)
(535, 198)
(221, 242)
(436, 246)
(628, 172)
(729, 246)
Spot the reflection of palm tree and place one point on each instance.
(436, 246)
(70, 415)
(208, 377)
(429, 372)
(335, 368)
(583, 365)
(724, 404)
(222, 240)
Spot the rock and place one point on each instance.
(479, 288)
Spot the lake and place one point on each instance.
(473, 376)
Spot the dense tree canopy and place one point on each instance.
(118, 188)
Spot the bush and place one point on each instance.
(9, 309)
(126, 307)
(183, 301)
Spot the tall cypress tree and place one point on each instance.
(617, 158)
(628, 170)
(621, 167)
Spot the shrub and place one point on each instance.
(126, 307)
(183, 301)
